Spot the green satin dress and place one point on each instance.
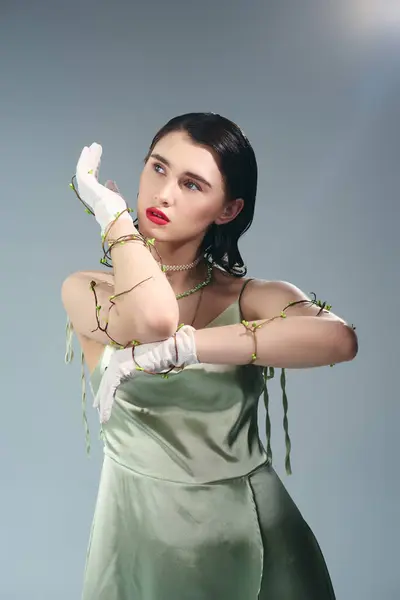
(189, 507)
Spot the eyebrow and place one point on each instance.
(187, 173)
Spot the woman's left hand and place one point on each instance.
(156, 357)
(105, 201)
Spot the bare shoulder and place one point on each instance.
(265, 299)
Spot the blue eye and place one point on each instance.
(158, 168)
(193, 186)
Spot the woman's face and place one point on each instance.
(181, 179)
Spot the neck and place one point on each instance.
(183, 279)
(170, 254)
(177, 255)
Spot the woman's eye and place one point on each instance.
(193, 186)
(158, 168)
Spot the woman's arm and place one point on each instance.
(301, 340)
(147, 313)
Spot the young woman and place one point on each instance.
(189, 506)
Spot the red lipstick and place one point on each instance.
(156, 216)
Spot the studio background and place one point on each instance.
(315, 86)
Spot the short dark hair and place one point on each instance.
(238, 165)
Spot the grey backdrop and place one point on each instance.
(315, 85)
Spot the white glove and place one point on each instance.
(155, 357)
(104, 202)
(120, 366)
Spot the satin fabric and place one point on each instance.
(188, 507)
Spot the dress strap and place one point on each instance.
(241, 294)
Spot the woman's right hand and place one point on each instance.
(120, 366)
(105, 201)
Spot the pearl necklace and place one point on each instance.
(196, 288)
(181, 267)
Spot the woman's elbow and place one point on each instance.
(166, 326)
(159, 326)
(161, 316)
(348, 346)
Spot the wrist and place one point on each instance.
(186, 345)
(121, 227)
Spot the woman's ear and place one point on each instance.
(230, 211)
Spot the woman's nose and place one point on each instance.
(166, 194)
